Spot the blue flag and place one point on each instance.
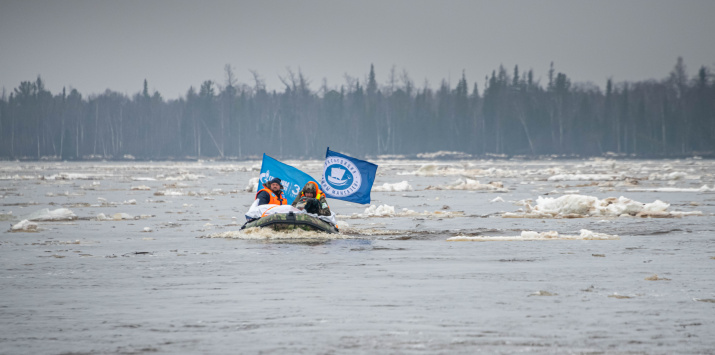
(292, 179)
(347, 178)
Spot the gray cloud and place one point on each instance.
(95, 45)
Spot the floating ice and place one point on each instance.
(703, 188)
(436, 170)
(444, 154)
(75, 176)
(498, 199)
(399, 186)
(471, 185)
(676, 175)
(60, 214)
(585, 234)
(141, 188)
(252, 185)
(586, 177)
(184, 177)
(379, 211)
(169, 192)
(17, 177)
(115, 217)
(389, 211)
(24, 226)
(574, 206)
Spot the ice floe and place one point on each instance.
(76, 176)
(24, 226)
(184, 177)
(390, 211)
(199, 193)
(252, 185)
(442, 154)
(120, 216)
(396, 187)
(703, 188)
(471, 185)
(585, 234)
(676, 175)
(575, 206)
(379, 211)
(585, 177)
(60, 214)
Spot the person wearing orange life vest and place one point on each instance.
(271, 193)
(312, 200)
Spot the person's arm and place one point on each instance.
(296, 201)
(263, 198)
(324, 208)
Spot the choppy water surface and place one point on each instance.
(455, 257)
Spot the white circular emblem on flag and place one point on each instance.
(340, 177)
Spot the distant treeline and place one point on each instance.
(512, 115)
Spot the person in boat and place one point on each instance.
(271, 193)
(312, 200)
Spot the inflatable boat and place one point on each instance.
(287, 217)
(290, 221)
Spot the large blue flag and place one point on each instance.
(292, 179)
(347, 178)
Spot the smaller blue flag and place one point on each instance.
(347, 178)
(292, 179)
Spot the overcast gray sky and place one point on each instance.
(174, 44)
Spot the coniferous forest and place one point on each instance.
(508, 113)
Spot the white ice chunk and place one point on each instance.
(471, 185)
(24, 226)
(582, 206)
(703, 188)
(537, 236)
(398, 186)
(379, 211)
(676, 175)
(586, 177)
(60, 214)
(252, 185)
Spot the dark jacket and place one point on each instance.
(317, 206)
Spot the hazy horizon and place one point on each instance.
(97, 45)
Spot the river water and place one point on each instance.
(147, 257)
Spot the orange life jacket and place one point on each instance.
(275, 200)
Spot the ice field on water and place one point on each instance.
(453, 256)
